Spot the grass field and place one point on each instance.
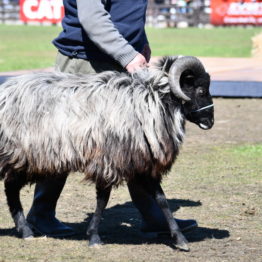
(30, 47)
(26, 47)
(216, 42)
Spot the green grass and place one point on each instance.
(216, 42)
(29, 47)
(224, 166)
(251, 151)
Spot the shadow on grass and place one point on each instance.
(8, 232)
(121, 225)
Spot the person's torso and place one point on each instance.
(128, 16)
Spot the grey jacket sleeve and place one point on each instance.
(97, 23)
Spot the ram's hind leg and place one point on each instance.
(13, 185)
(180, 240)
(152, 187)
(102, 197)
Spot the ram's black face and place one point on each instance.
(199, 109)
(189, 82)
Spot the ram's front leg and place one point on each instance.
(13, 185)
(181, 242)
(102, 197)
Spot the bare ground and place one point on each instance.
(216, 180)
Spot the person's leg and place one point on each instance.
(41, 216)
(81, 66)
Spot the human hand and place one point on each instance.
(146, 52)
(137, 63)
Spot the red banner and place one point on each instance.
(233, 12)
(51, 11)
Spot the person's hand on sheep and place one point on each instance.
(137, 63)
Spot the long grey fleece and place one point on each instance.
(97, 23)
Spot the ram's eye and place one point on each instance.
(201, 91)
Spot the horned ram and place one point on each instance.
(113, 127)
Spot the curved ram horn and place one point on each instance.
(178, 67)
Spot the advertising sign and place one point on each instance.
(41, 11)
(234, 12)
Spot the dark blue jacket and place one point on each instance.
(128, 16)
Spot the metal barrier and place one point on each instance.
(9, 11)
(159, 13)
(192, 13)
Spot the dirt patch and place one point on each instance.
(216, 180)
(237, 121)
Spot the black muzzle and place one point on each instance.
(203, 117)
